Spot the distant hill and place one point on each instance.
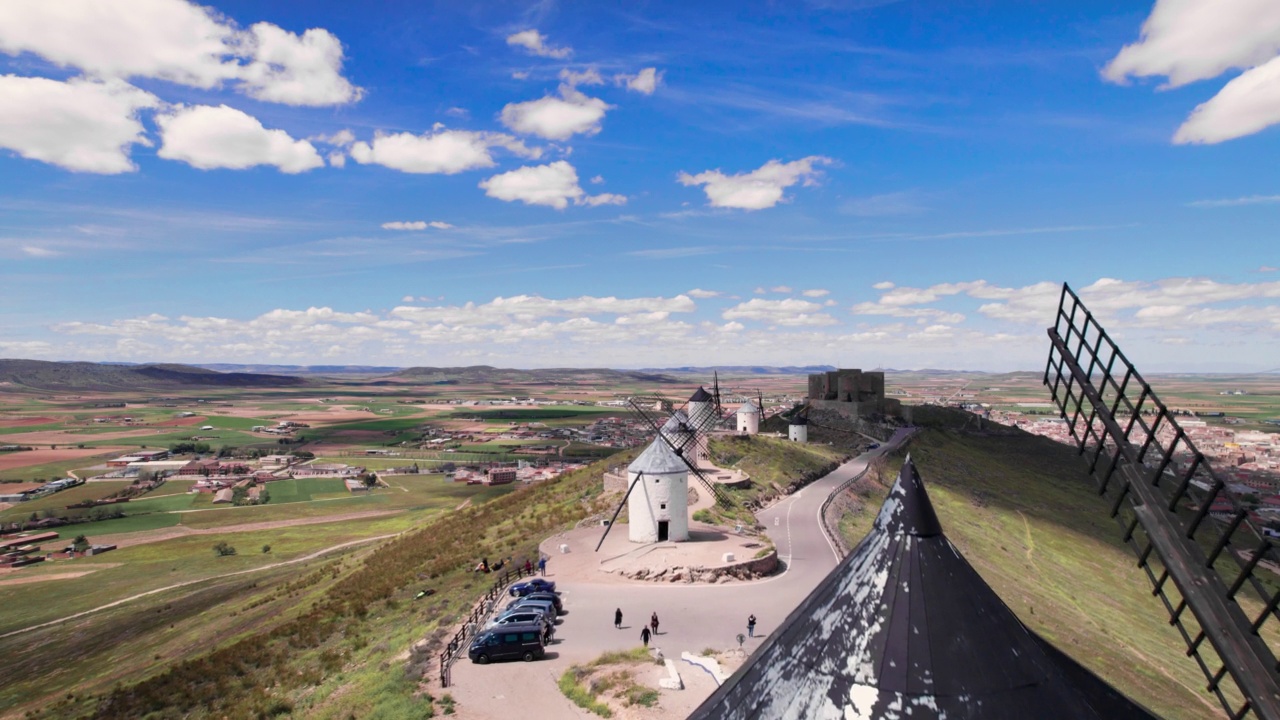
(542, 376)
(751, 369)
(43, 375)
(302, 369)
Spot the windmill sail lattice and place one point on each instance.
(1207, 561)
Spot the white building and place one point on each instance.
(798, 429)
(748, 418)
(658, 506)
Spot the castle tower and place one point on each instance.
(748, 417)
(659, 504)
(798, 429)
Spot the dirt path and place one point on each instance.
(175, 586)
(41, 578)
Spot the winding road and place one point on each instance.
(693, 617)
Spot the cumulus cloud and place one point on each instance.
(181, 42)
(209, 137)
(816, 293)
(342, 138)
(885, 285)
(416, 225)
(1189, 41)
(644, 82)
(439, 151)
(554, 185)
(81, 125)
(1244, 106)
(761, 188)
(788, 312)
(556, 118)
(702, 294)
(535, 43)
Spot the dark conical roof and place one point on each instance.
(700, 395)
(905, 628)
(798, 420)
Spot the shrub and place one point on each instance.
(223, 549)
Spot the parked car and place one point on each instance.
(537, 584)
(543, 606)
(520, 616)
(553, 598)
(874, 446)
(507, 642)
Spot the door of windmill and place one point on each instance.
(662, 530)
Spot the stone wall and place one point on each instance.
(746, 570)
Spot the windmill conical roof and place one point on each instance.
(904, 627)
(700, 395)
(658, 459)
(748, 408)
(798, 420)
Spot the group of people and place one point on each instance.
(483, 566)
(650, 630)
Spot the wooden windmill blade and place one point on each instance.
(1193, 539)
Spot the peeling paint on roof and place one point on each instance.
(904, 628)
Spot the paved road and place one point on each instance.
(693, 617)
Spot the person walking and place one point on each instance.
(653, 623)
(542, 565)
(617, 618)
(751, 626)
(644, 635)
(528, 567)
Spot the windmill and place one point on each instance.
(680, 435)
(1192, 537)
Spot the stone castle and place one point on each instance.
(854, 393)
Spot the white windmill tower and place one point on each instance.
(658, 503)
(798, 429)
(748, 418)
(700, 416)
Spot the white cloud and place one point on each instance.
(180, 42)
(40, 252)
(590, 76)
(885, 285)
(554, 185)
(80, 125)
(598, 179)
(557, 118)
(1186, 41)
(1244, 106)
(406, 299)
(209, 137)
(342, 138)
(416, 225)
(702, 294)
(816, 293)
(296, 70)
(535, 43)
(788, 312)
(761, 188)
(1267, 269)
(439, 151)
(941, 316)
(337, 159)
(644, 82)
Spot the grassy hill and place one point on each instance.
(1022, 511)
(43, 375)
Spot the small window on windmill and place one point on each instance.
(663, 506)
(655, 480)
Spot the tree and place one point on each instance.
(266, 549)
(80, 544)
(239, 495)
(222, 549)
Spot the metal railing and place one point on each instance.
(478, 614)
(1175, 512)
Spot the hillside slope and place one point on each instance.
(44, 375)
(1022, 511)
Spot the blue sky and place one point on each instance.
(895, 184)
